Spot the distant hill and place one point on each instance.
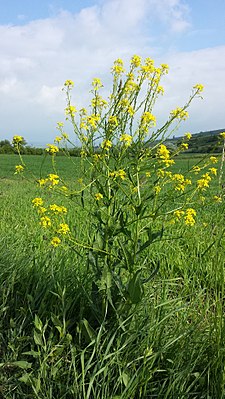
(202, 142)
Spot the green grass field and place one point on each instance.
(51, 347)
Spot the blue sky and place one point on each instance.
(43, 43)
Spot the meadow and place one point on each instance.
(54, 344)
(112, 264)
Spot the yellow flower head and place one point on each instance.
(17, 139)
(213, 159)
(45, 222)
(98, 196)
(97, 84)
(57, 209)
(135, 61)
(106, 145)
(118, 68)
(53, 179)
(213, 171)
(217, 199)
(126, 139)
(188, 136)
(69, 83)
(199, 87)
(63, 228)
(184, 146)
(70, 110)
(157, 189)
(57, 139)
(179, 113)
(148, 119)
(19, 169)
(37, 201)
(222, 135)
(113, 121)
(52, 149)
(55, 242)
(189, 217)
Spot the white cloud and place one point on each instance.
(37, 57)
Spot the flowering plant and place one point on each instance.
(127, 186)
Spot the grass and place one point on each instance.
(171, 345)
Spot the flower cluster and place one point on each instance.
(126, 139)
(51, 218)
(17, 140)
(180, 181)
(164, 155)
(118, 173)
(19, 169)
(52, 149)
(179, 113)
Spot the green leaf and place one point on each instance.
(38, 338)
(25, 378)
(88, 331)
(135, 290)
(38, 323)
(22, 364)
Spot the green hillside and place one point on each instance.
(202, 142)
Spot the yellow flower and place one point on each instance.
(37, 201)
(217, 199)
(196, 169)
(63, 228)
(113, 120)
(203, 183)
(69, 83)
(55, 242)
(135, 61)
(121, 173)
(160, 90)
(45, 222)
(189, 217)
(70, 110)
(92, 120)
(199, 87)
(165, 68)
(184, 146)
(42, 182)
(98, 196)
(106, 145)
(213, 171)
(222, 135)
(163, 152)
(57, 209)
(147, 119)
(42, 209)
(148, 174)
(19, 169)
(57, 139)
(157, 189)
(188, 136)
(52, 149)
(213, 159)
(54, 179)
(118, 68)
(179, 113)
(97, 84)
(126, 139)
(178, 214)
(17, 139)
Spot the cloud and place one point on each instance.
(37, 57)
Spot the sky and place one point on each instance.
(43, 43)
